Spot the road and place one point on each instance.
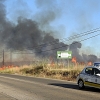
(29, 88)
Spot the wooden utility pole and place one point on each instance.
(3, 57)
(10, 57)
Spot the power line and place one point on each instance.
(70, 38)
(73, 43)
(62, 46)
(90, 37)
(67, 39)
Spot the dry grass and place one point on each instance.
(46, 70)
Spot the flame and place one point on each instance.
(89, 63)
(74, 59)
(52, 61)
(8, 67)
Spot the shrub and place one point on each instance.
(25, 70)
(35, 70)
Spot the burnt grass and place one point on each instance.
(40, 71)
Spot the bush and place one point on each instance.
(65, 73)
(25, 70)
(35, 70)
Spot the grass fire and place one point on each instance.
(58, 70)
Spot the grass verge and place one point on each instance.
(68, 74)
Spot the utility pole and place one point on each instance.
(3, 57)
(11, 57)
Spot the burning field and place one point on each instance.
(28, 35)
(54, 70)
(44, 70)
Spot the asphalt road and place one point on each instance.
(30, 88)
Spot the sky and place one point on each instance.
(64, 18)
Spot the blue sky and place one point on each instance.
(65, 18)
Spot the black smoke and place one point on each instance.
(75, 46)
(27, 35)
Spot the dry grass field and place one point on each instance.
(56, 71)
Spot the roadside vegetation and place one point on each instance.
(56, 71)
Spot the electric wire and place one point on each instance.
(73, 43)
(61, 46)
(66, 39)
(70, 38)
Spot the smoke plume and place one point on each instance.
(27, 35)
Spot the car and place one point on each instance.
(89, 76)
